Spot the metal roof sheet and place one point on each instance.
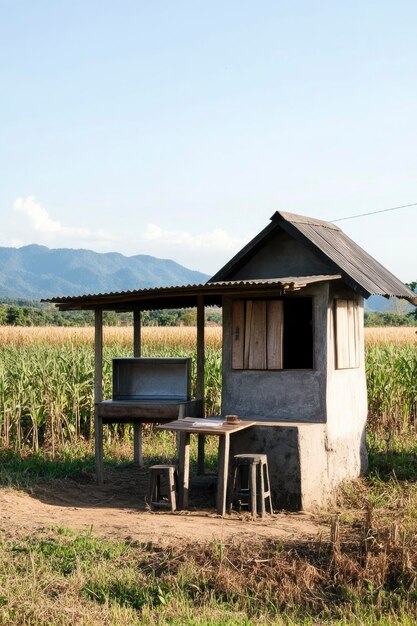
(185, 295)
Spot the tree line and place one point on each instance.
(19, 312)
(22, 312)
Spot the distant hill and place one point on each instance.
(379, 304)
(39, 272)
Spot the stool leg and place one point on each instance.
(269, 489)
(151, 490)
(261, 472)
(158, 488)
(172, 498)
(253, 489)
(176, 481)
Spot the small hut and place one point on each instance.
(293, 352)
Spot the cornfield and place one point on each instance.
(46, 378)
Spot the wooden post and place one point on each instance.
(137, 427)
(223, 476)
(200, 389)
(137, 333)
(184, 469)
(253, 494)
(98, 392)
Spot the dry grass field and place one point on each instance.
(152, 336)
(404, 335)
(169, 336)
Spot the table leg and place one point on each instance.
(222, 481)
(137, 444)
(98, 447)
(253, 490)
(184, 470)
(200, 455)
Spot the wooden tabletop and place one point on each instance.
(201, 426)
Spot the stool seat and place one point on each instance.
(156, 498)
(245, 478)
(251, 458)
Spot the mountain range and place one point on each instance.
(37, 272)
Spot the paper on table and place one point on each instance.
(208, 424)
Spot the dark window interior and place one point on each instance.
(298, 333)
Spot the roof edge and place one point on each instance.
(302, 219)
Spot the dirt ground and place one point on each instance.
(118, 511)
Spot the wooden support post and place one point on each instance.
(200, 388)
(137, 428)
(137, 333)
(223, 477)
(137, 444)
(184, 469)
(98, 392)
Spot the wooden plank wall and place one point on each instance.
(238, 334)
(257, 334)
(346, 333)
(275, 334)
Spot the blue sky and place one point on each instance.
(177, 128)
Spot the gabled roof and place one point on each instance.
(328, 242)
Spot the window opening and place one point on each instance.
(298, 333)
(272, 334)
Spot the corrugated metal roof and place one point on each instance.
(359, 270)
(185, 295)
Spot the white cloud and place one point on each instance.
(52, 230)
(206, 252)
(217, 239)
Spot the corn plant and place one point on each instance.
(47, 387)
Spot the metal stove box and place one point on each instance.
(152, 379)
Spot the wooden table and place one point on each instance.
(137, 413)
(192, 425)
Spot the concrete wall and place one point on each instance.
(297, 462)
(285, 395)
(311, 423)
(346, 401)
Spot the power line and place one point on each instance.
(394, 208)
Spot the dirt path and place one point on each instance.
(118, 511)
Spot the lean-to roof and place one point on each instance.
(186, 296)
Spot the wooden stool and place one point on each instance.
(245, 480)
(155, 497)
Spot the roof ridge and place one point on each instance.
(303, 219)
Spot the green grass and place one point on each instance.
(25, 468)
(62, 577)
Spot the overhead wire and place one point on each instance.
(394, 208)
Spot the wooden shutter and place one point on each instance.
(255, 335)
(274, 334)
(347, 334)
(238, 333)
